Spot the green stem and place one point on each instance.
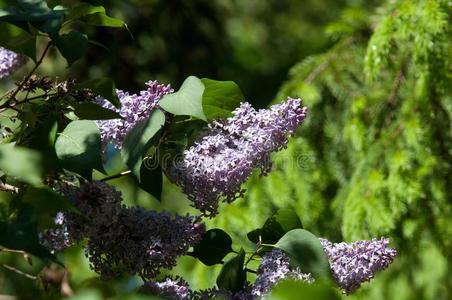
(38, 63)
(268, 245)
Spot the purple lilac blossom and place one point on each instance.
(275, 266)
(174, 289)
(141, 242)
(357, 262)
(10, 61)
(134, 109)
(220, 161)
(122, 239)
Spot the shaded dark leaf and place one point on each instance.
(71, 45)
(232, 276)
(92, 111)
(213, 247)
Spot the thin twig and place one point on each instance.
(319, 69)
(8, 188)
(13, 251)
(396, 84)
(38, 63)
(29, 276)
(124, 173)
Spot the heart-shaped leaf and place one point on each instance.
(213, 247)
(220, 98)
(187, 101)
(306, 252)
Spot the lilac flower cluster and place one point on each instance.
(10, 61)
(135, 108)
(357, 262)
(123, 239)
(275, 267)
(170, 288)
(220, 161)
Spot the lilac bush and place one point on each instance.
(220, 161)
(54, 138)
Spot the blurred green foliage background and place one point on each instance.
(374, 157)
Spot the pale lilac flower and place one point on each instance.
(214, 168)
(173, 289)
(135, 108)
(357, 262)
(10, 61)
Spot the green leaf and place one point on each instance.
(151, 177)
(22, 234)
(187, 101)
(220, 98)
(22, 163)
(92, 111)
(46, 204)
(213, 247)
(71, 45)
(138, 141)
(101, 19)
(281, 222)
(178, 135)
(79, 148)
(232, 276)
(18, 40)
(305, 252)
(296, 289)
(104, 87)
(43, 140)
(24, 13)
(83, 9)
